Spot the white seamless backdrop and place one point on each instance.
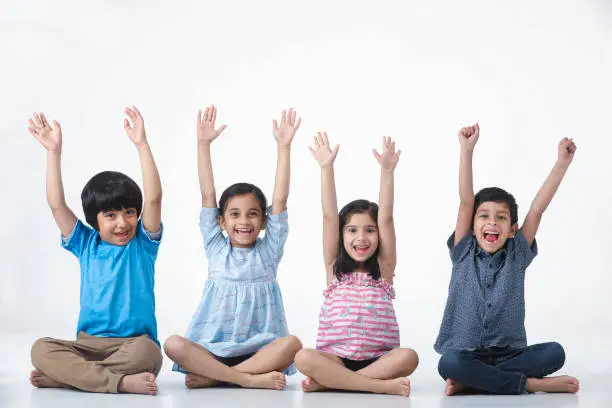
(529, 72)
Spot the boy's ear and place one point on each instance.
(221, 222)
(515, 228)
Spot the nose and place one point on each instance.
(121, 220)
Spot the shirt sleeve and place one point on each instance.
(463, 247)
(149, 240)
(213, 237)
(522, 252)
(78, 238)
(277, 230)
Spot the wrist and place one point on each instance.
(283, 148)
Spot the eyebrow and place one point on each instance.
(356, 226)
(250, 209)
(496, 212)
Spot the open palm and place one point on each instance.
(389, 157)
(322, 153)
(206, 125)
(49, 137)
(285, 132)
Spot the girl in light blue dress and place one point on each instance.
(239, 333)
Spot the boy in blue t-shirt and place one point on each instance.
(482, 336)
(116, 348)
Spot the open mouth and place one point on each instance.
(361, 249)
(243, 232)
(491, 237)
(122, 235)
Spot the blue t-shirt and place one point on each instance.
(117, 298)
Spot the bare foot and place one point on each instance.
(141, 383)
(198, 381)
(310, 385)
(40, 380)
(453, 387)
(272, 380)
(563, 383)
(398, 386)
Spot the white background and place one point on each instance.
(529, 72)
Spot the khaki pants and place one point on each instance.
(95, 364)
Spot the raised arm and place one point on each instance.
(567, 148)
(151, 208)
(325, 157)
(387, 256)
(468, 136)
(283, 134)
(206, 134)
(51, 139)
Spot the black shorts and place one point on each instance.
(232, 361)
(356, 365)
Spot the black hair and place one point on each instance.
(239, 189)
(344, 263)
(497, 195)
(109, 190)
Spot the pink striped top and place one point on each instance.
(357, 320)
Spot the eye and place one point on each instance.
(502, 217)
(371, 230)
(130, 211)
(234, 214)
(483, 215)
(253, 214)
(109, 214)
(352, 230)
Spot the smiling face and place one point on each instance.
(360, 236)
(118, 227)
(492, 226)
(243, 220)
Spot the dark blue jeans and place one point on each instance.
(501, 370)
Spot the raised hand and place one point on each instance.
(285, 132)
(206, 125)
(389, 157)
(567, 148)
(322, 152)
(468, 136)
(49, 137)
(135, 131)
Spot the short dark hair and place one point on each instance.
(344, 263)
(109, 190)
(239, 189)
(497, 195)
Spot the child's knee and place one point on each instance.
(449, 364)
(174, 346)
(555, 355)
(145, 354)
(410, 358)
(293, 344)
(304, 360)
(39, 351)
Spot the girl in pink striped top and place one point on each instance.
(358, 340)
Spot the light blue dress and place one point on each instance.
(241, 309)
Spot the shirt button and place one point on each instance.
(489, 285)
(489, 305)
(485, 326)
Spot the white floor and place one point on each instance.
(15, 391)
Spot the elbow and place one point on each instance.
(154, 201)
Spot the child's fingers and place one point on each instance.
(274, 124)
(206, 114)
(32, 124)
(131, 114)
(284, 116)
(199, 117)
(392, 147)
(138, 114)
(320, 142)
(316, 141)
(43, 119)
(377, 155)
(126, 124)
(37, 120)
(58, 128)
(213, 114)
(221, 129)
(325, 139)
(335, 151)
(298, 123)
